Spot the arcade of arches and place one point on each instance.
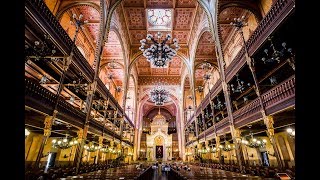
(229, 89)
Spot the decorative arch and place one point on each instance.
(244, 5)
(76, 4)
(106, 64)
(179, 54)
(154, 111)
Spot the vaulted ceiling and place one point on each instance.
(182, 20)
(130, 24)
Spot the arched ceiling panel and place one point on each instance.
(206, 48)
(225, 17)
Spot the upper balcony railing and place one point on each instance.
(39, 11)
(278, 12)
(41, 99)
(278, 98)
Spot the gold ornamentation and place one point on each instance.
(48, 122)
(80, 134)
(100, 140)
(47, 132)
(268, 121)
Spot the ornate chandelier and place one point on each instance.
(272, 54)
(159, 53)
(64, 143)
(240, 85)
(159, 95)
(254, 142)
(91, 147)
(227, 147)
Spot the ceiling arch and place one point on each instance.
(76, 4)
(153, 111)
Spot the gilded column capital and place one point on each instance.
(47, 132)
(217, 140)
(80, 134)
(48, 121)
(268, 121)
(271, 131)
(100, 140)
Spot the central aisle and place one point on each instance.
(159, 175)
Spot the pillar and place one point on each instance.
(268, 121)
(82, 135)
(235, 133)
(135, 147)
(218, 149)
(99, 154)
(48, 121)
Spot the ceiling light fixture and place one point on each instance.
(159, 53)
(159, 95)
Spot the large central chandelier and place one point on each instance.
(156, 52)
(159, 95)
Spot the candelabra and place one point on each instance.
(240, 85)
(40, 50)
(272, 54)
(219, 104)
(227, 146)
(91, 147)
(254, 142)
(64, 143)
(44, 79)
(273, 80)
(78, 84)
(213, 149)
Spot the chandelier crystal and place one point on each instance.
(159, 95)
(156, 52)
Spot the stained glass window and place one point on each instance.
(159, 17)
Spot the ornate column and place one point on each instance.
(245, 155)
(48, 121)
(99, 154)
(238, 146)
(135, 142)
(218, 149)
(235, 135)
(121, 130)
(206, 143)
(110, 153)
(103, 36)
(82, 135)
(268, 121)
